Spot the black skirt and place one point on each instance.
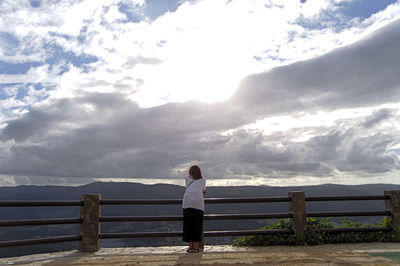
(192, 224)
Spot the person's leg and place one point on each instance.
(186, 228)
(201, 243)
(198, 228)
(193, 247)
(192, 228)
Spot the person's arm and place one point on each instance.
(204, 189)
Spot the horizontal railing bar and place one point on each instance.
(354, 229)
(247, 216)
(246, 200)
(179, 201)
(238, 232)
(40, 222)
(140, 218)
(39, 203)
(206, 234)
(236, 200)
(39, 241)
(239, 216)
(140, 201)
(347, 213)
(345, 198)
(247, 232)
(206, 217)
(140, 234)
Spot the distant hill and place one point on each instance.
(114, 190)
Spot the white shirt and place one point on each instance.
(193, 197)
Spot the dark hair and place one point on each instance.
(195, 172)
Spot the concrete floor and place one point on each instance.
(340, 254)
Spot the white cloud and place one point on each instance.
(6, 181)
(16, 59)
(313, 122)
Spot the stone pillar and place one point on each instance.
(393, 205)
(90, 227)
(297, 207)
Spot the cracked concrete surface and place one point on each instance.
(340, 254)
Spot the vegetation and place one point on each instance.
(312, 237)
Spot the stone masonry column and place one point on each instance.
(90, 227)
(297, 207)
(393, 205)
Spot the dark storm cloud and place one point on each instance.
(369, 155)
(106, 135)
(377, 117)
(358, 75)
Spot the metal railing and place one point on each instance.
(206, 217)
(35, 222)
(90, 236)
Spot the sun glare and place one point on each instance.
(187, 79)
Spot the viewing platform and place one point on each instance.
(333, 254)
(90, 251)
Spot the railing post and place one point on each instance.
(393, 205)
(297, 207)
(90, 227)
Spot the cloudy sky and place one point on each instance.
(256, 92)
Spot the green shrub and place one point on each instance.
(312, 237)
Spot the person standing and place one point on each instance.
(193, 208)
